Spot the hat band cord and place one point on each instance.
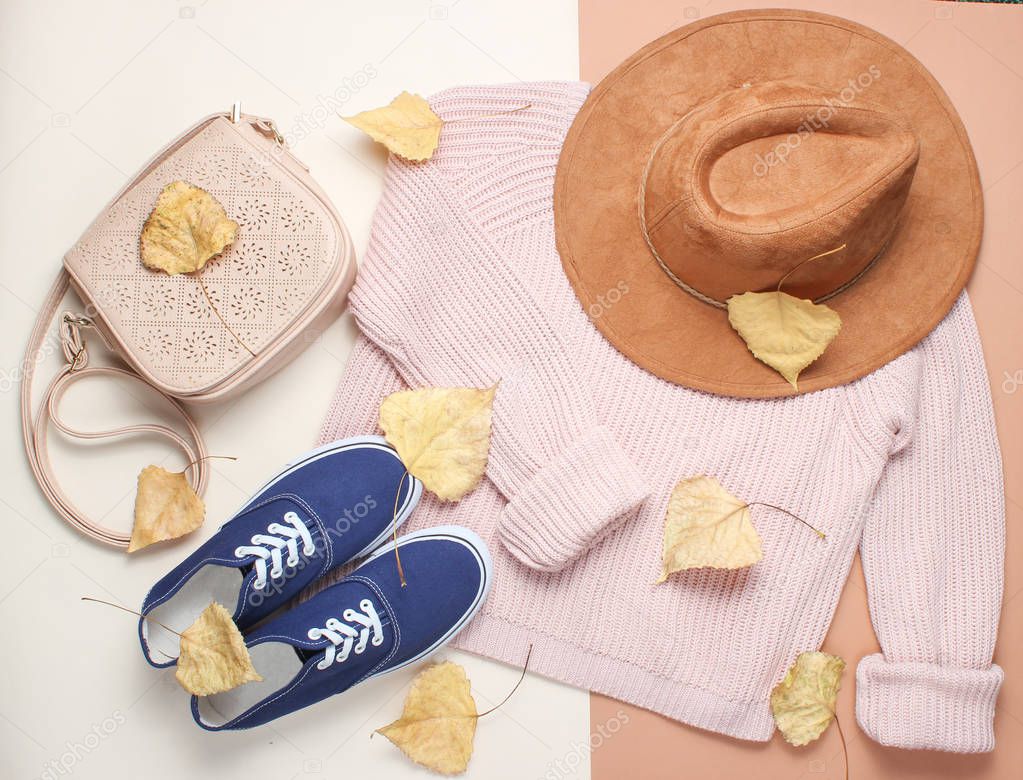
(689, 288)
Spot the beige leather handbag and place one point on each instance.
(194, 339)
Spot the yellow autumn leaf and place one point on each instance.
(442, 435)
(803, 704)
(186, 228)
(438, 722)
(213, 655)
(706, 526)
(407, 126)
(166, 507)
(785, 332)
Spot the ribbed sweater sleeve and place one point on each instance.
(440, 294)
(933, 548)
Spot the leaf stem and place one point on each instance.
(394, 529)
(845, 750)
(790, 514)
(522, 676)
(131, 612)
(209, 300)
(799, 265)
(487, 712)
(208, 457)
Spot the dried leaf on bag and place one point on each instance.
(803, 703)
(785, 332)
(166, 507)
(186, 228)
(438, 722)
(706, 526)
(442, 435)
(213, 656)
(407, 126)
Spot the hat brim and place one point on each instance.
(668, 332)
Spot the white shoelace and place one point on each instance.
(345, 636)
(269, 547)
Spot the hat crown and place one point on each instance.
(755, 180)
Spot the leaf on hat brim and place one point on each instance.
(407, 126)
(438, 722)
(213, 656)
(186, 228)
(706, 526)
(803, 703)
(442, 435)
(166, 507)
(785, 332)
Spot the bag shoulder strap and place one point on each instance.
(35, 427)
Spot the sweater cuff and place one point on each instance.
(925, 706)
(567, 505)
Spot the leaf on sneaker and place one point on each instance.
(438, 722)
(785, 332)
(442, 435)
(705, 525)
(213, 655)
(186, 228)
(803, 704)
(166, 507)
(407, 126)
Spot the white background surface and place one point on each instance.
(88, 91)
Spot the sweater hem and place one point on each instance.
(553, 657)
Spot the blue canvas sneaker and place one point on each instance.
(322, 510)
(364, 626)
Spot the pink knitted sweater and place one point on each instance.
(462, 286)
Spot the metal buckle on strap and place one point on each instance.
(267, 127)
(71, 340)
(262, 124)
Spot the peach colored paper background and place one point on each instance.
(976, 52)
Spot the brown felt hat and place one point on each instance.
(716, 159)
